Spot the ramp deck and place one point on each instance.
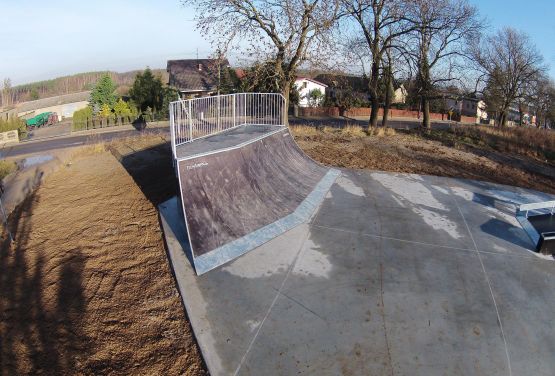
(231, 138)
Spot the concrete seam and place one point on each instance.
(467, 250)
(391, 238)
(490, 289)
(278, 293)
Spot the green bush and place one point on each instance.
(13, 124)
(80, 118)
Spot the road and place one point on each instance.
(45, 145)
(61, 139)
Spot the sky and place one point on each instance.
(47, 39)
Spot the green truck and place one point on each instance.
(46, 118)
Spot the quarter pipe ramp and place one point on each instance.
(243, 187)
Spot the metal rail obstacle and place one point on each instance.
(202, 117)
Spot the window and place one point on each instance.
(305, 84)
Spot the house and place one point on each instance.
(305, 86)
(339, 84)
(63, 105)
(355, 86)
(468, 106)
(400, 95)
(195, 77)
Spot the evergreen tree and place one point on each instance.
(104, 93)
(121, 108)
(147, 91)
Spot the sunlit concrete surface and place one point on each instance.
(394, 275)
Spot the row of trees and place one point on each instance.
(148, 95)
(435, 43)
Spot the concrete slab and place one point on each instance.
(396, 274)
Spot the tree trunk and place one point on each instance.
(285, 92)
(373, 122)
(373, 90)
(426, 113)
(502, 118)
(388, 99)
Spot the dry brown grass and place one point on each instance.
(462, 153)
(381, 131)
(6, 168)
(351, 131)
(531, 142)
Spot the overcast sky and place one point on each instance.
(47, 39)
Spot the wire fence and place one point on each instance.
(201, 117)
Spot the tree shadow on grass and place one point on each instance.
(40, 331)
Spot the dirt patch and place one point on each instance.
(413, 152)
(87, 288)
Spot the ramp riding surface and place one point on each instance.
(243, 187)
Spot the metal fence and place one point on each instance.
(201, 117)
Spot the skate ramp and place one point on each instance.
(240, 189)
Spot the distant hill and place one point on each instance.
(73, 84)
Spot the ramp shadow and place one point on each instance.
(152, 170)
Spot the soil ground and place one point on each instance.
(87, 289)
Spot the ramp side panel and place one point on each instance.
(231, 194)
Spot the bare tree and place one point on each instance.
(543, 102)
(509, 61)
(7, 93)
(380, 22)
(285, 32)
(438, 44)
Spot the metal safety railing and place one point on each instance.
(201, 117)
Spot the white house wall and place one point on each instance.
(303, 91)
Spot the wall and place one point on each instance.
(63, 110)
(365, 112)
(318, 111)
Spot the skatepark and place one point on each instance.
(286, 266)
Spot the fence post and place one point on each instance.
(233, 101)
(189, 115)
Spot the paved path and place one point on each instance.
(395, 275)
(73, 140)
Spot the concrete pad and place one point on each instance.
(396, 274)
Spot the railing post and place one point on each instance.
(189, 115)
(233, 101)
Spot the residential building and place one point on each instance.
(304, 86)
(468, 106)
(400, 95)
(196, 77)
